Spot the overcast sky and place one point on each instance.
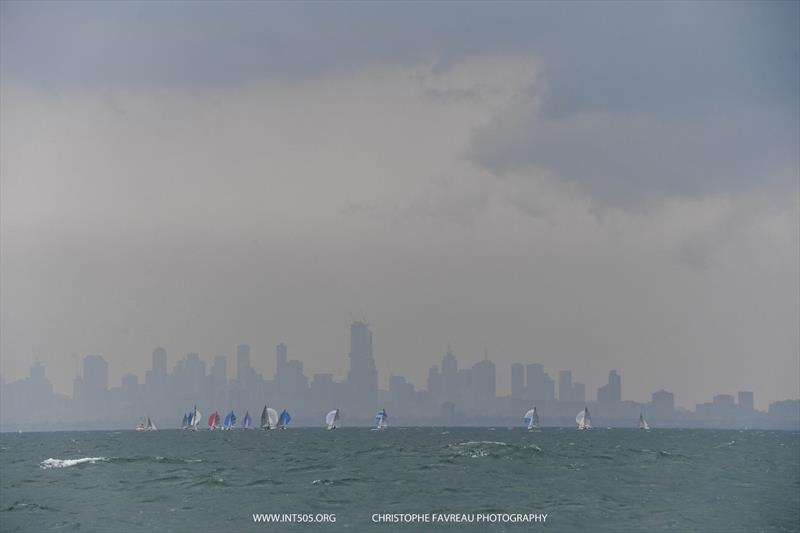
(586, 185)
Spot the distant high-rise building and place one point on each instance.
(746, 401)
(401, 393)
(435, 383)
(362, 378)
(449, 363)
(579, 392)
(484, 383)
(611, 393)
(517, 381)
(281, 356)
(156, 379)
(160, 362)
(724, 401)
(541, 387)
(450, 381)
(242, 363)
(663, 401)
(219, 370)
(565, 392)
(95, 374)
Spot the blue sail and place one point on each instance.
(284, 419)
(185, 421)
(232, 416)
(247, 420)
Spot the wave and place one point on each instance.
(489, 448)
(63, 463)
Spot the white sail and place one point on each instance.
(196, 418)
(535, 418)
(583, 419)
(528, 419)
(643, 422)
(332, 419)
(272, 417)
(381, 419)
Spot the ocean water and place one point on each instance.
(598, 480)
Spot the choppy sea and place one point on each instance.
(597, 480)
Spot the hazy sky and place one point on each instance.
(586, 185)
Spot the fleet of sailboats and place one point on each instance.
(270, 419)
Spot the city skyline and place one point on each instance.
(264, 365)
(452, 394)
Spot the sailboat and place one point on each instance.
(584, 420)
(332, 419)
(247, 421)
(213, 420)
(532, 419)
(185, 421)
(269, 418)
(195, 419)
(643, 422)
(149, 425)
(284, 419)
(380, 419)
(230, 421)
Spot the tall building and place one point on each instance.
(746, 401)
(484, 384)
(95, 375)
(242, 363)
(611, 393)
(540, 386)
(281, 356)
(160, 362)
(565, 391)
(579, 392)
(362, 378)
(663, 401)
(156, 378)
(517, 381)
(219, 370)
(450, 380)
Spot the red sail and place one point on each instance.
(213, 419)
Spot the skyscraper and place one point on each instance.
(281, 356)
(159, 362)
(242, 363)
(745, 401)
(611, 393)
(362, 378)
(565, 391)
(517, 381)
(483, 383)
(540, 387)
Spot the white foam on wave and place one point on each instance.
(63, 463)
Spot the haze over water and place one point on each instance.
(597, 480)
